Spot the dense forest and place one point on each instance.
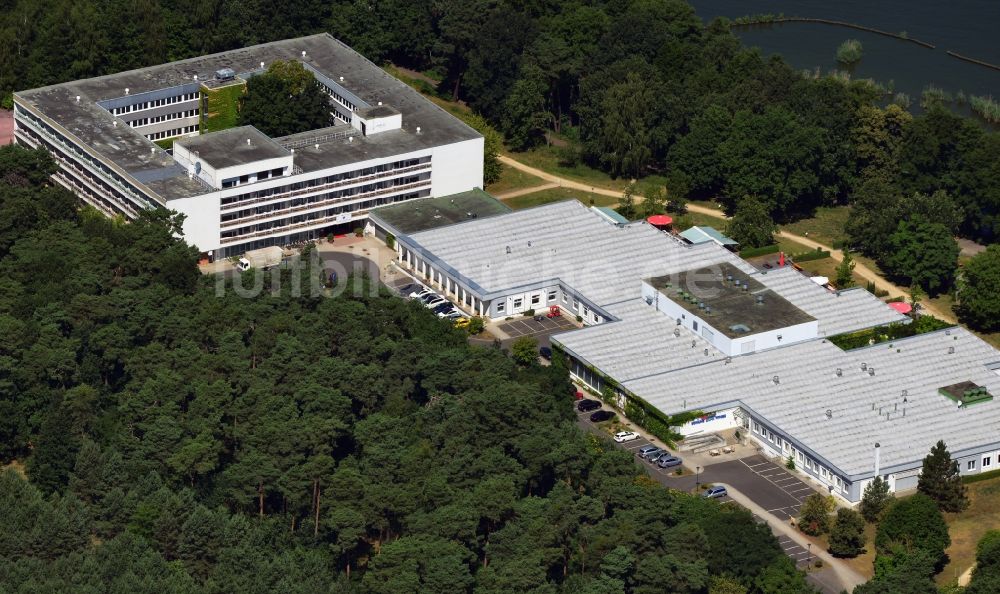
(639, 88)
(166, 438)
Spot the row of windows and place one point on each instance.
(322, 181)
(987, 462)
(320, 216)
(318, 198)
(46, 130)
(252, 177)
(338, 98)
(171, 133)
(155, 103)
(190, 113)
(810, 464)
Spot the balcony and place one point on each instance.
(324, 204)
(338, 184)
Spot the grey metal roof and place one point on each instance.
(92, 125)
(703, 234)
(837, 312)
(642, 343)
(809, 386)
(568, 242)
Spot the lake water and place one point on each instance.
(969, 27)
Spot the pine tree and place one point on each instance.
(847, 538)
(875, 499)
(845, 272)
(814, 516)
(940, 480)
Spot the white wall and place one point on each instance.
(711, 423)
(457, 167)
(201, 225)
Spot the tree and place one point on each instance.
(847, 537)
(924, 253)
(941, 480)
(875, 499)
(626, 206)
(492, 145)
(524, 350)
(625, 142)
(525, 117)
(751, 224)
(814, 515)
(284, 100)
(913, 526)
(979, 291)
(845, 272)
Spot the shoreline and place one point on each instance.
(774, 20)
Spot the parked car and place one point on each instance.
(601, 416)
(651, 454)
(440, 307)
(668, 461)
(436, 301)
(421, 293)
(410, 290)
(715, 492)
(655, 457)
(623, 436)
(428, 296)
(645, 450)
(587, 405)
(545, 352)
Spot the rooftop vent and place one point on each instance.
(418, 129)
(775, 380)
(225, 74)
(966, 393)
(759, 300)
(303, 53)
(508, 249)
(829, 413)
(248, 142)
(677, 331)
(839, 372)
(951, 350)
(904, 394)
(706, 352)
(341, 79)
(262, 65)
(864, 366)
(694, 343)
(77, 98)
(729, 360)
(126, 90)
(746, 287)
(871, 371)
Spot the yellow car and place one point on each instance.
(462, 322)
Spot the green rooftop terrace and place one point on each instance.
(413, 216)
(966, 393)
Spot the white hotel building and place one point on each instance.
(238, 188)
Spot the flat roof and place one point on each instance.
(897, 405)
(730, 300)
(128, 150)
(424, 214)
(704, 234)
(227, 148)
(562, 242)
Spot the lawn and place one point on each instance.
(556, 195)
(826, 227)
(549, 159)
(513, 179)
(222, 107)
(968, 527)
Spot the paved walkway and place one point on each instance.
(860, 269)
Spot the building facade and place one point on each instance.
(237, 188)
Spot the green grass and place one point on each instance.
(556, 195)
(165, 144)
(947, 303)
(826, 227)
(692, 219)
(549, 159)
(222, 108)
(968, 527)
(513, 179)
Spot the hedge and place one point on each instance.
(982, 476)
(813, 255)
(760, 251)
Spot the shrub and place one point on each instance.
(528, 313)
(390, 240)
(476, 325)
(912, 525)
(814, 516)
(359, 231)
(847, 538)
(849, 52)
(790, 462)
(524, 350)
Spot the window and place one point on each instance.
(970, 465)
(987, 461)
(798, 455)
(565, 298)
(694, 325)
(552, 295)
(576, 305)
(536, 299)
(518, 302)
(501, 306)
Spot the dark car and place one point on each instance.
(443, 307)
(545, 352)
(601, 416)
(587, 405)
(410, 288)
(668, 461)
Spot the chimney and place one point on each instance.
(878, 447)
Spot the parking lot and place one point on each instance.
(769, 485)
(539, 329)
